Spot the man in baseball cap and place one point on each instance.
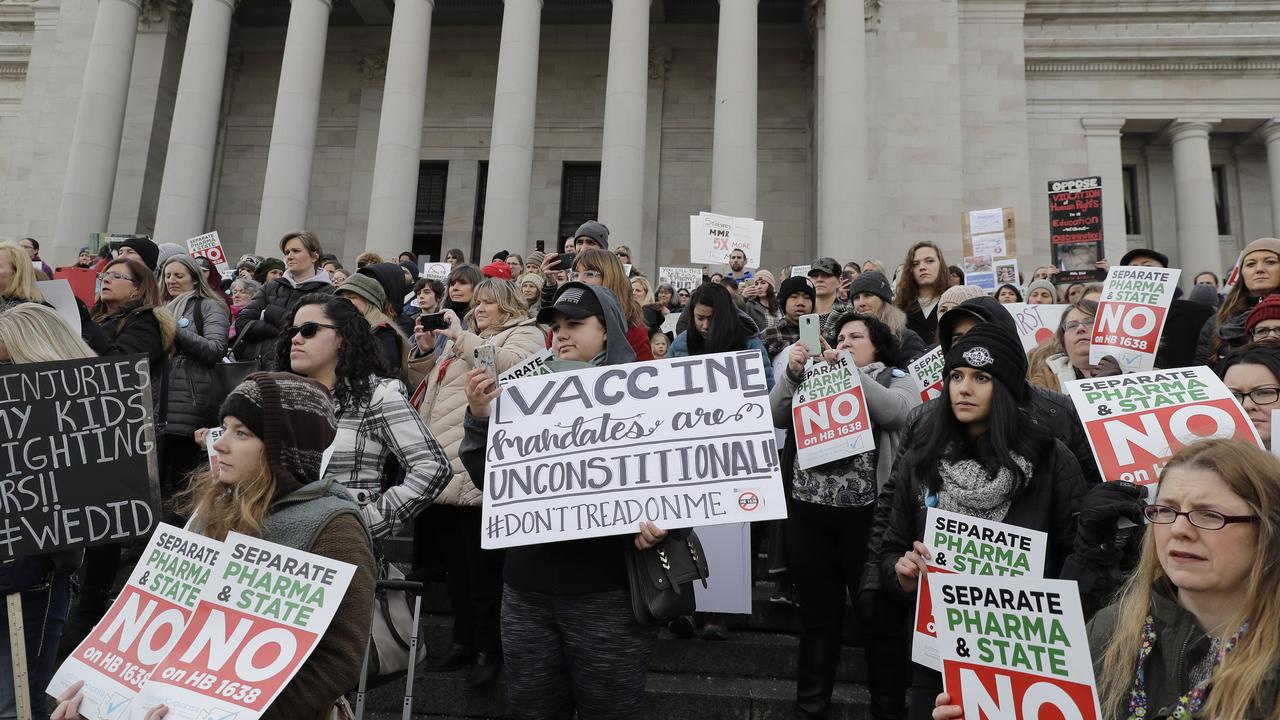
(825, 274)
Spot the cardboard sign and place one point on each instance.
(970, 546)
(682, 442)
(535, 364)
(1036, 324)
(262, 612)
(1131, 314)
(712, 237)
(988, 232)
(84, 282)
(436, 271)
(829, 413)
(209, 246)
(680, 278)
(142, 625)
(1136, 422)
(926, 371)
(1015, 650)
(59, 294)
(78, 457)
(1075, 229)
(1007, 272)
(979, 270)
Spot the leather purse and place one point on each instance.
(662, 578)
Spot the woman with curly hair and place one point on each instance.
(328, 340)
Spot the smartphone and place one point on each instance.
(811, 333)
(540, 246)
(566, 262)
(433, 321)
(487, 360)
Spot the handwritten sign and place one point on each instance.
(926, 371)
(1036, 324)
(142, 625)
(680, 278)
(712, 237)
(535, 364)
(682, 442)
(829, 413)
(78, 456)
(1131, 314)
(1075, 228)
(209, 246)
(1136, 422)
(262, 612)
(1015, 650)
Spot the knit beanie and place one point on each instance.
(1205, 295)
(766, 276)
(872, 282)
(535, 258)
(1042, 285)
(957, 294)
(293, 416)
(1266, 243)
(1268, 309)
(166, 251)
(149, 251)
(531, 278)
(596, 231)
(266, 266)
(991, 348)
(365, 287)
(796, 284)
(412, 267)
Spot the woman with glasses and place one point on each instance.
(601, 267)
(1253, 376)
(1193, 633)
(1263, 323)
(1071, 361)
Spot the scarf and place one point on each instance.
(178, 305)
(969, 488)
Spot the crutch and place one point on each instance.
(408, 586)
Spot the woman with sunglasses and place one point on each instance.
(328, 340)
(1252, 373)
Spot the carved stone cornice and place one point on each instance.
(659, 63)
(1135, 67)
(373, 65)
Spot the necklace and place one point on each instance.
(1188, 703)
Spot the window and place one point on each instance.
(1132, 215)
(1220, 200)
(477, 226)
(428, 214)
(579, 196)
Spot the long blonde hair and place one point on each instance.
(1250, 473)
(613, 278)
(220, 508)
(648, 289)
(23, 284)
(33, 333)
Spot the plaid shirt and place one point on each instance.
(366, 436)
(784, 333)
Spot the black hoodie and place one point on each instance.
(391, 277)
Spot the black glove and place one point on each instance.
(1098, 539)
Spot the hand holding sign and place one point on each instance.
(1131, 314)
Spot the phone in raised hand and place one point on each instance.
(811, 334)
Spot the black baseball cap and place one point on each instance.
(1146, 253)
(574, 300)
(826, 266)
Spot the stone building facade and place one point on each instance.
(850, 127)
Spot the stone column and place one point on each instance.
(733, 147)
(1271, 134)
(506, 215)
(404, 98)
(193, 138)
(843, 140)
(1102, 142)
(1198, 247)
(622, 159)
(95, 147)
(293, 130)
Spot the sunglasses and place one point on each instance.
(308, 329)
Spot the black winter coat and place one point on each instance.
(271, 305)
(201, 345)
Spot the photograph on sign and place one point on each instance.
(1131, 313)
(1007, 272)
(713, 237)
(1036, 324)
(829, 413)
(680, 278)
(980, 270)
(926, 371)
(1075, 229)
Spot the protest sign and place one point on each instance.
(680, 278)
(1014, 650)
(979, 270)
(142, 625)
(262, 612)
(970, 546)
(1007, 271)
(800, 270)
(1036, 324)
(829, 413)
(682, 442)
(209, 246)
(670, 322)
(213, 436)
(84, 282)
(1075, 229)
(59, 294)
(68, 426)
(712, 237)
(988, 232)
(436, 271)
(535, 364)
(1131, 314)
(1136, 422)
(926, 371)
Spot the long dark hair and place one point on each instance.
(359, 357)
(726, 333)
(907, 295)
(1016, 292)
(1268, 356)
(880, 335)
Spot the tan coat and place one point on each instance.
(444, 403)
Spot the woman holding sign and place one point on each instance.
(1071, 343)
(831, 506)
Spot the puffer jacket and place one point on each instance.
(259, 324)
(442, 399)
(200, 346)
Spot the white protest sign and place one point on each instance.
(712, 237)
(59, 294)
(142, 625)
(829, 413)
(1131, 313)
(535, 364)
(1036, 324)
(262, 612)
(213, 436)
(682, 442)
(670, 322)
(926, 371)
(209, 246)
(436, 271)
(1013, 649)
(986, 232)
(680, 278)
(1136, 422)
(970, 546)
(800, 270)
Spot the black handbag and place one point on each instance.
(662, 578)
(226, 375)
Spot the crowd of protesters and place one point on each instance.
(379, 365)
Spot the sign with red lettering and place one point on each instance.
(209, 246)
(1075, 228)
(1136, 422)
(1013, 650)
(1036, 324)
(927, 372)
(261, 614)
(142, 625)
(829, 413)
(712, 237)
(1131, 315)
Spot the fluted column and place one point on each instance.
(622, 159)
(1102, 143)
(1198, 248)
(95, 147)
(404, 99)
(843, 179)
(1271, 134)
(287, 183)
(506, 205)
(733, 148)
(193, 137)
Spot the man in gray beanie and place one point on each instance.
(591, 233)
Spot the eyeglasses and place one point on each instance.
(1074, 325)
(308, 329)
(1262, 333)
(115, 276)
(1259, 396)
(1203, 519)
(585, 275)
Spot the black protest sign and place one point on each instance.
(77, 454)
(1075, 228)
